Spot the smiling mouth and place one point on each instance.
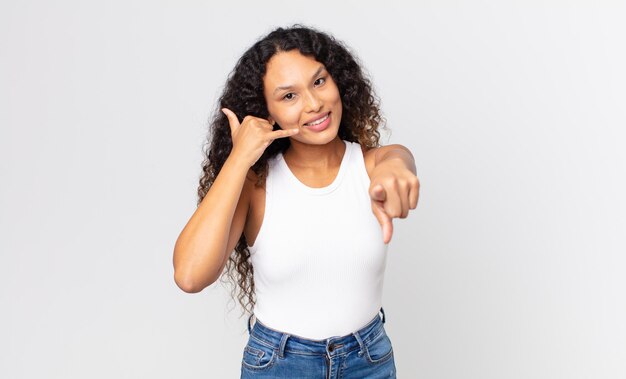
(318, 121)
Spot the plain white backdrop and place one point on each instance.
(512, 266)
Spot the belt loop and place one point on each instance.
(281, 347)
(249, 327)
(360, 341)
(383, 312)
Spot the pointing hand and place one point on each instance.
(394, 190)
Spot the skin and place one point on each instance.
(311, 93)
(297, 89)
(234, 205)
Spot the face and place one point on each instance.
(300, 94)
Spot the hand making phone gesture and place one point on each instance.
(253, 135)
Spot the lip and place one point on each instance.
(321, 126)
(317, 118)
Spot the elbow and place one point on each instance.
(186, 287)
(188, 276)
(188, 284)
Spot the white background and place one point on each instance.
(512, 266)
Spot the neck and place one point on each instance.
(307, 156)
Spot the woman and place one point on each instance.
(296, 183)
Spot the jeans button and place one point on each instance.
(331, 348)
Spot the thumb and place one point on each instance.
(233, 121)
(378, 193)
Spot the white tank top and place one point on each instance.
(319, 258)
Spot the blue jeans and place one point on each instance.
(366, 353)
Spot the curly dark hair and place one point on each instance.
(243, 94)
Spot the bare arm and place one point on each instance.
(394, 186)
(211, 234)
(202, 248)
(396, 151)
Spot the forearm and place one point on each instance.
(397, 154)
(201, 246)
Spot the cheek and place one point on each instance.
(285, 115)
(336, 100)
(336, 97)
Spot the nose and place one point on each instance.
(313, 102)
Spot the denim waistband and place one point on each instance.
(337, 345)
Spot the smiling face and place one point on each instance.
(300, 93)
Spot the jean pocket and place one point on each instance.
(258, 355)
(379, 348)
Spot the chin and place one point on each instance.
(320, 138)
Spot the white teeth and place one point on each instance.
(318, 121)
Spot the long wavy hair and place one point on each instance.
(243, 94)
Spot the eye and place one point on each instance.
(323, 80)
(288, 96)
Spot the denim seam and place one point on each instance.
(254, 351)
(381, 359)
(345, 362)
(263, 342)
(301, 352)
(260, 368)
(373, 338)
(258, 359)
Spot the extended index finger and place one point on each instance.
(383, 219)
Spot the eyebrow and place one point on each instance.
(319, 71)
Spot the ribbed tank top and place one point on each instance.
(319, 258)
